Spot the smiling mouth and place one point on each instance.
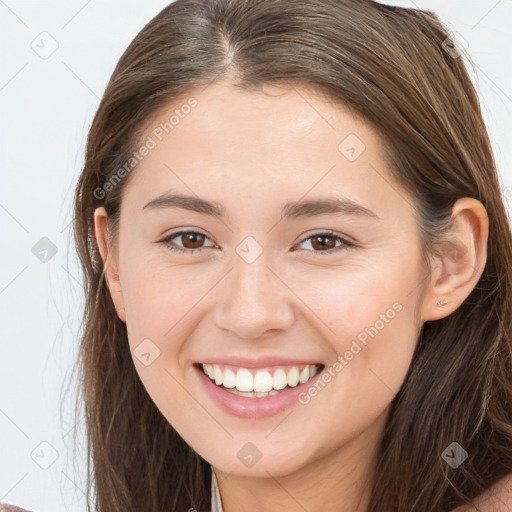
(262, 382)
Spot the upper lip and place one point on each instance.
(258, 362)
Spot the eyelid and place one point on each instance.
(347, 242)
(166, 240)
(318, 232)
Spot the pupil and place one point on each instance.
(323, 244)
(191, 236)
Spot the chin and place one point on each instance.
(261, 462)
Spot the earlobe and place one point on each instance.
(103, 240)
(461, 260)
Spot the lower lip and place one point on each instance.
(257, 407)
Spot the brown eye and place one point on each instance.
(323, 242)
(326, 242)
(192, 241)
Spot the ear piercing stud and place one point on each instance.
(442, 302)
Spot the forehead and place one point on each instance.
(271, 116)
(285, 141)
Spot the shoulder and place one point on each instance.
(5, 507)
(496, 499)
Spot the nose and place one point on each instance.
(255, 299)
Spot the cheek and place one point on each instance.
(372, 316)
(367, 314)
(357, 295)
(159, 301)
(159, 297)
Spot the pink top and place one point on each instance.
(216, 501)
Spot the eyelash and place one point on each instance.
(167, 241)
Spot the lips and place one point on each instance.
(254, 404)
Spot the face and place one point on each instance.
(297, 288)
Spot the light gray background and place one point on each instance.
(47, 105)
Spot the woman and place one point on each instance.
(226, 364)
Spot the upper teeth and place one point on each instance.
(262, 381)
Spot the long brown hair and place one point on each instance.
(391, 66)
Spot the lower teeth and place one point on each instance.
(252, 394)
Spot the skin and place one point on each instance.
(497, 499)
(252, 152)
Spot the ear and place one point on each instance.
(461, 262)
(104, 241)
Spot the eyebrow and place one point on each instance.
(291, 210)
